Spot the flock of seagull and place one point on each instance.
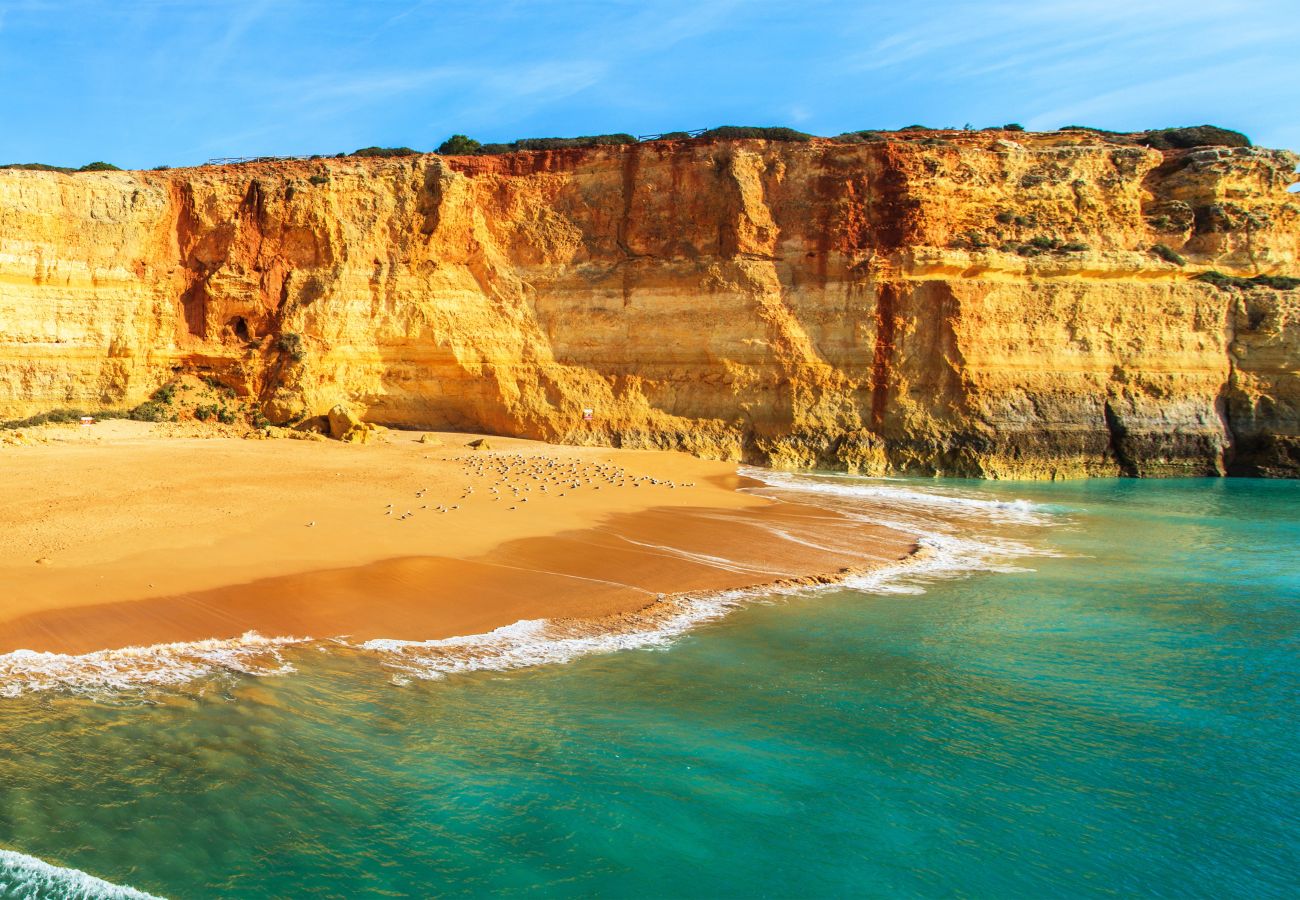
(516, 477)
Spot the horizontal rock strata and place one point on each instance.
(961, 304)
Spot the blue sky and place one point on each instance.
(146, 82)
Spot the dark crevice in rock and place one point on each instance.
(1119, 443)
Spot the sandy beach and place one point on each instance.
(122, 534)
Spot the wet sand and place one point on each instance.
(115, 536)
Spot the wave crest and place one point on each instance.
(902, 498)
(133, 668)
(28, 878)
(536, 642)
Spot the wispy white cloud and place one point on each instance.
(156, 79)
(475, 95)
(1105, 62)
(1136, 97)
(240, 19)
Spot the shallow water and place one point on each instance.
(1096, 693)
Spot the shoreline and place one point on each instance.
(521, 644)
(632, 527)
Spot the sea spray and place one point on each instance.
(27, 878)
(133, 668)
(895, 496)
(960, 534)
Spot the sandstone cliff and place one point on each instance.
(958, 304)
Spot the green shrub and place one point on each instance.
(1169, 254)
(1221, 281)
(165, 394)
(1194, 136)
(42, 167)
(766, 133)
(859, 137)
(916, 128)
(205, 412)
(1075, 247)
(1043, 242)
(149, 411)
(675, 136)
(319, 179)
(291, 345)
(1006, 217)
(1012, 126)
(215, 384)
(459, 145)
(1277, 282)
(37, 167)
(1232, 282)
(56, 416)
(558, 143)
(225, 416)
(384, 152)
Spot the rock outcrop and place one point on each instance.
(953, 303)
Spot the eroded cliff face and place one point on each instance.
(854, 306)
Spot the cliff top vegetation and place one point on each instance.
(1182, 138)
(42, 167)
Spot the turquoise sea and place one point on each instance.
(1088, 689)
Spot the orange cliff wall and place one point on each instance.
(799, 304)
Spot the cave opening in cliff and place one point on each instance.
(240, 328)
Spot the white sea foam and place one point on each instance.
(28, 878)
(958, 533)
(133, 668)
(536, 642)
(902, 497)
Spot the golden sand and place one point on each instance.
(117, 535)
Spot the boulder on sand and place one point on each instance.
(342, 420)
(345, 426)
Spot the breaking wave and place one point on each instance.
(943, 521)
(132, 668)
(898, 497)
(536, 642)
(957, 535)
(27, 878)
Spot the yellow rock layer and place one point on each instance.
(854, 306)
